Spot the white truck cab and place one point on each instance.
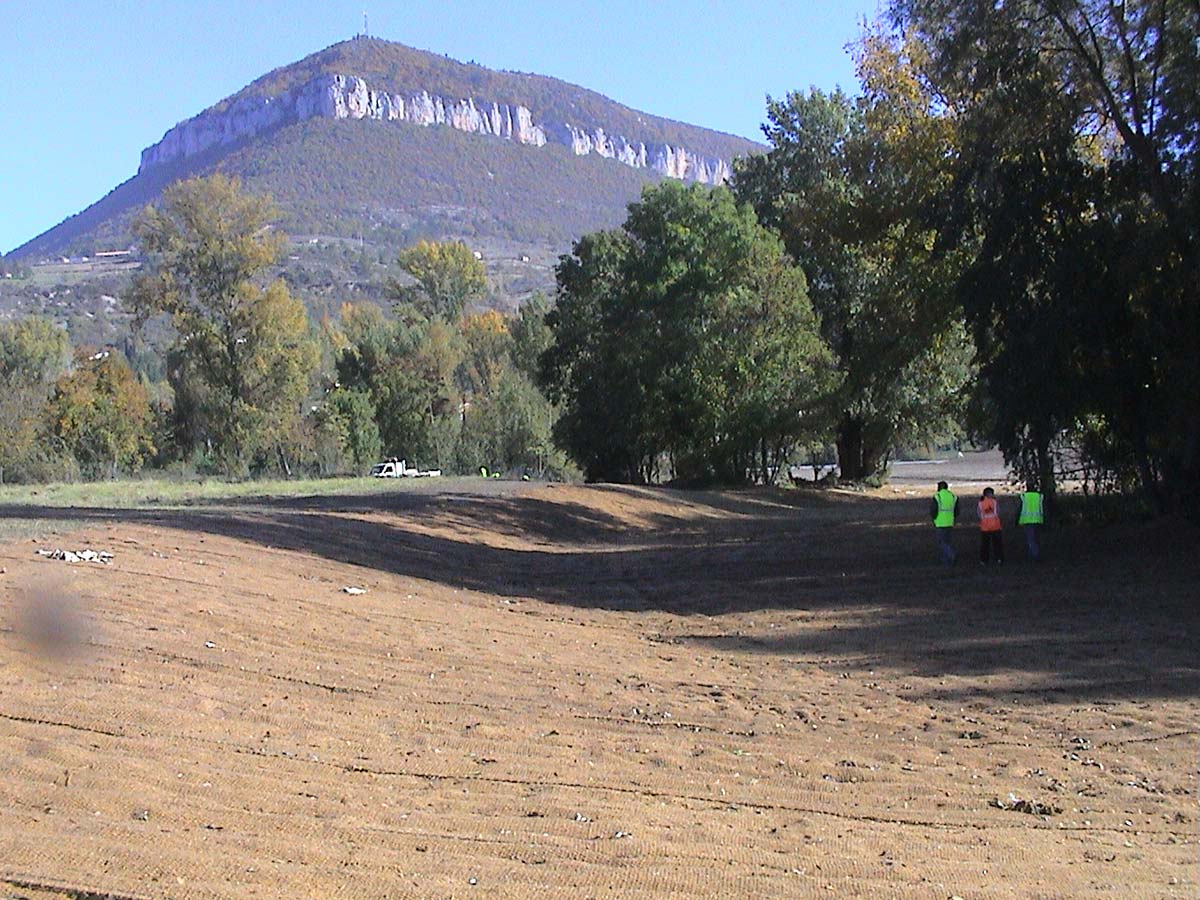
(396, 468)
(389, 468)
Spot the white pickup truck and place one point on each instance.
(396, 468)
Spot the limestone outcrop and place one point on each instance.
(348, 97)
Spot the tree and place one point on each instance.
(101, 414)
(408, 367)
(849, 184)
(33, 354)
(1127, 71)
(487, 349)
(448, 276)
(242, 342)
(509, 429)
(1077, 180)
(346, 423)
(531, 336)
(33, 351)
(687, 336)
(591, 373)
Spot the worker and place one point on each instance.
(1031, 518)
(991, 534)
(943, 509)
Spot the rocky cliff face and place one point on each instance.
(347, 97)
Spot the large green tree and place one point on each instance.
(687, 336)
(101, 414)
(243, 353)
(849, 183)
(1076, 178)
(487, 353)
(531, 336)
(1122, 73)
(33, 354)
(506, 420)
(446, 277)
(509, 430)
(347, 435)
(407, 365)
(33, 351)
(443, 394)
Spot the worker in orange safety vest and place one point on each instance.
(991, 534)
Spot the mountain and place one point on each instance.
(368, 145)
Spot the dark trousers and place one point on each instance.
(946, 545)
(1031, 542)
(990, 541)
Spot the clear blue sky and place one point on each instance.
(86, 84)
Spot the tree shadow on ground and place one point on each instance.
(1112, 613)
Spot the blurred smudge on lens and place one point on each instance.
(51, 619)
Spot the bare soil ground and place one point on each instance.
(552, 691)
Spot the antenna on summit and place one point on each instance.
(366, 31)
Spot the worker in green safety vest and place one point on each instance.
(943, 509)
(1031, 518)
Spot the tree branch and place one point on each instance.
(1122, 30)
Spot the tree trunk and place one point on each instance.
(1046, 483)
(873, 459)
(1185, 487)
(860, 448)
(849, 449)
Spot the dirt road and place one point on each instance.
(550, 691)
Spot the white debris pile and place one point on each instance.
(74, 556)
(1032, 807)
